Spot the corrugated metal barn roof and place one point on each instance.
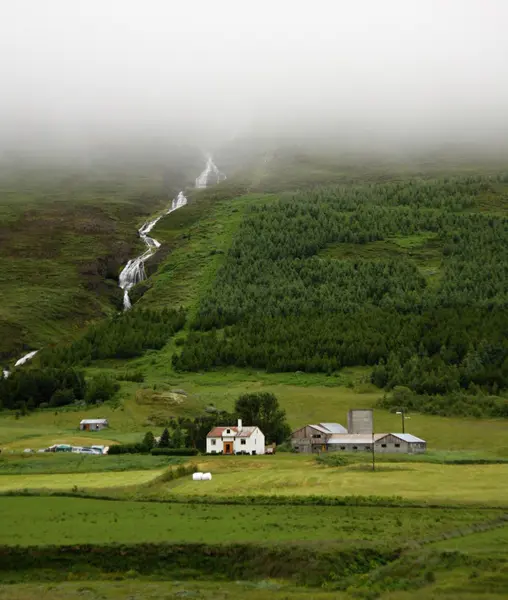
(334, 427)
(408, 437)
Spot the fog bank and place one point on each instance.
(81, 73)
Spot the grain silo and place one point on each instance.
(360, 420)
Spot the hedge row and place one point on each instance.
(142, 449)
(174, 451)
(233, 561)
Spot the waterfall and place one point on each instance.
(134, 270)
(210, 176)
(25, 358)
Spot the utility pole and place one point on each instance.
(373, 450)
(402, 413)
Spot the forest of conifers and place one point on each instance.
(286, 299)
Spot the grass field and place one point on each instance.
(167, 590)
(80, 480)
(289, 475)
(52, 520)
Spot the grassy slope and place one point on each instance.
(64, 234)
(194, 240)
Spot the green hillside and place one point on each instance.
(65, 232)
(352, 293)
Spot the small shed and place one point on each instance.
(93, 424)
(401, 443)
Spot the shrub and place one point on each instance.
(128, 449)
(101, 388)
(62, 397)
(333, 460)
(136, 376)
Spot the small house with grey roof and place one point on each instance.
(235, 440)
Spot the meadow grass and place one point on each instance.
(93, 480)
(165, 590)
(300, 476)
(56, 521)
(493, 542)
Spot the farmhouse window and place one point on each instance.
(397, 445)
(367, 447)
(383, 445)
(343, 447)
(243, 442)
(355, 447)
(213, 442)
(317, 435)
(228, 430)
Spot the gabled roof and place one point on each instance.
(334, 427)
(407, 437)
(93, 421)
(244, 433)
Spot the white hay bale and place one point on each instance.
(197, 476)
(207, 476)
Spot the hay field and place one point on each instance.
(80, 480)
(298, 475)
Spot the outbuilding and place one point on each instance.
(93, 424)
(314, 438)
(401, 442)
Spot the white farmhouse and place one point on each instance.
(235, 440)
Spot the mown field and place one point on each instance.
(288, 476)
(68, 481)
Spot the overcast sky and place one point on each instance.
(86, 69)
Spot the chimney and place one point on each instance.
(239, 426)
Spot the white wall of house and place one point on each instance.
(255, 443)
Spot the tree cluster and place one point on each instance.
(126, 335)
(28, 389)
(278, 304)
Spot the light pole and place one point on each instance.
(373, 448)
(402, 413)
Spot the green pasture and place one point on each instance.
(55, 521)
(300, 476)
(166, 590)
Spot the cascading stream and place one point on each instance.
(134, 270)
(210, 176)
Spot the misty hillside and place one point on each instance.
(297, 262)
